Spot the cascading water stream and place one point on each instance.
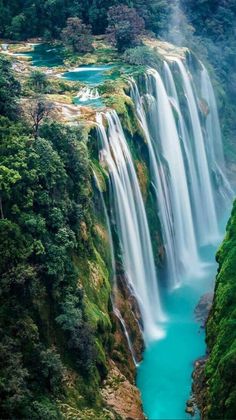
(206, 206)
(131, 223)
(161, 188)
(114, 282)
(214, 139)
(170, 150)
(167, 169)
(190, 167)
(113, 264)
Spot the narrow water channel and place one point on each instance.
(164, 376)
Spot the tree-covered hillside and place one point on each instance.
(28, 18)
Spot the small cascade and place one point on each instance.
(206, 208)
(88, 94)
(131, 223)
(113, 264)
(119, 316)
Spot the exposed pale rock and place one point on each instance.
(122, 396)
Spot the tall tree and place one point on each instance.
(77, 35)
(9, 89)
(124, 26)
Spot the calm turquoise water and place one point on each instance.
(92, 75)
(45, 55)
(164, 376)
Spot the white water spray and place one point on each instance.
(88, 94)
(169, 177)
(206, 206)
(214, 140)
(131, 223)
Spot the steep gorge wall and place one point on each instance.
(214, 376)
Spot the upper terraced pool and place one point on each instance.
(44, 55)
(91, 74)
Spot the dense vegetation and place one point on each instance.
(208, 27)
(45, 230)
(221, 333)
(30, 18)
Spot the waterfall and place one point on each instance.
(114, 285)
(190, 164)
(214, 139)
(167, 168)
(131, 223)
(206, 208)
(183, 157)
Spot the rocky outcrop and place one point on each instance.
(199, 385)
(121, 395)
(203, 308)
(119, 390)
(197, 401)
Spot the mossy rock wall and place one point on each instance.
(221, 333)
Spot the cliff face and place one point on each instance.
(214, 377)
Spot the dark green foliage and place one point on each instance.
(156, 14)
(221, 332)
(28, 18)
(9, 89)
(38, 81)
(24, 19)
(44, 197)
(77, 36)
(124, 27)
(141, 56)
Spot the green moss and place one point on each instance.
(221, 332)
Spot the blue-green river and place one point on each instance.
(164, 376)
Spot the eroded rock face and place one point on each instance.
(199, 385)
(119, 390)
(121, 395)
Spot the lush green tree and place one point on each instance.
(141, 56)
(156, 14)
(36, 111)
(9, 89)
(124, 27)
(38, 81)
(77, 36)
(45, 195)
